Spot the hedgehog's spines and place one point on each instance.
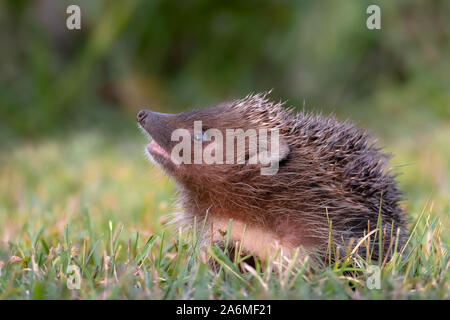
(332, 168)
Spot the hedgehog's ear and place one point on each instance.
(277, 151)
(283, 149)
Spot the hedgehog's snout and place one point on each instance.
(141, 116)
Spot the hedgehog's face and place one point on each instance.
(215, 145)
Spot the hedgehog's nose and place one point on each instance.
(142, 115)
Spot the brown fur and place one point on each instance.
(333, 173)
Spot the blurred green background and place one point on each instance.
(68, 99)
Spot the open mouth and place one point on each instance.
(155, 149)
(153, 122)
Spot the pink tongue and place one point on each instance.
(155, 147)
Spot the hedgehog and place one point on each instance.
(331, 181)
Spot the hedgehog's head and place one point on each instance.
(218, 144)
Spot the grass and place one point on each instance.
(91, 202)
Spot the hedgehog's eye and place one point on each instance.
(199, 137)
